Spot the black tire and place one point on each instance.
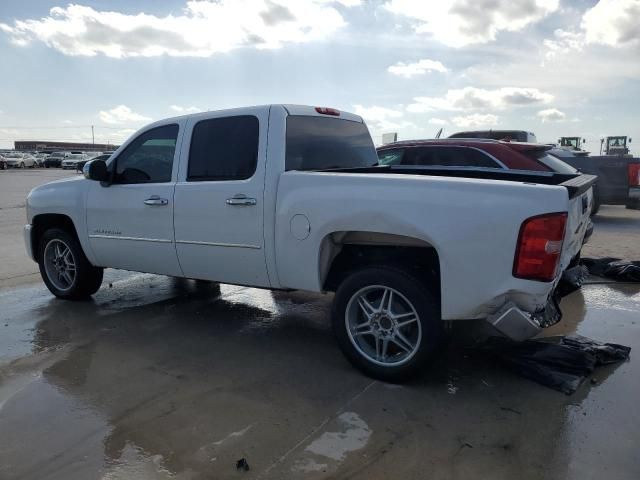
(421, 299)
(633, 204)
(87, 279)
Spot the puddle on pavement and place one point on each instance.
(158, 378)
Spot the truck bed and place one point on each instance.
(575, 184)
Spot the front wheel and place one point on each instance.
(64, 268)
(387, 322)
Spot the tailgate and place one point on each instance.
(579, 215)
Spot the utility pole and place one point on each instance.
(93, 138)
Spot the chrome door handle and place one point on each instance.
(241, 200)
(156, 200)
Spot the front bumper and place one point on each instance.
(27, 241)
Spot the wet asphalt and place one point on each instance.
(159, 378)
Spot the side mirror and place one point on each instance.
(96, 170)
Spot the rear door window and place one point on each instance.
(320, 143)
(224, 149)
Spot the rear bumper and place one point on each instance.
(519, 325)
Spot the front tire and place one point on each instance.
(387, 322)
(64, 267)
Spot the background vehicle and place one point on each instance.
(19, 160)
(512, 135)
(40, 158)
(618, 176)
(3, 164)
(71, 162)
(615, 145)
(55, 159)
(194, 196)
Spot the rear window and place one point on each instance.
(554, 163)
(318, 143)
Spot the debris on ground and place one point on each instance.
(242, 464)
(614, 268)
(561, 362)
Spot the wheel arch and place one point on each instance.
(346, 251)
(44, 221)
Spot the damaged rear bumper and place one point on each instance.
(519, 325)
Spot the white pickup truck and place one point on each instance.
(291, 197)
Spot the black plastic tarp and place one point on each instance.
(561, 362)
(614, 268)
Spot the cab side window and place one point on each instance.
(224, 149)
(149, 158)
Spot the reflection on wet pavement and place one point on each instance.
(161, 378)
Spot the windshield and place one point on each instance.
(321, 143)
(75, 156)
(13, 155)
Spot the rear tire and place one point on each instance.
(633, 204)
(64, 267)
(388, 336)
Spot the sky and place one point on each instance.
(552, 67)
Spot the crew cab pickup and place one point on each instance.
(292, 197)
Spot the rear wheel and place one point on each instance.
(64, 268)
(387, 322)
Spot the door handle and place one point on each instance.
(156, 200)
(241, 200)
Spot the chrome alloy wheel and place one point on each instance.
(60, 264)
(383, 325)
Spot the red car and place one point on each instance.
(459, 152)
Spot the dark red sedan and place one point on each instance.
(477, 153)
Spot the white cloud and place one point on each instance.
(609, 22)
(204, 28)
(564, 41)
(184, 110)
(462, 22)
(381, 118)
(551, 115)
(472, 98)
(612, 22)
(121, 114)
(475, 120)
(438, 121)
(420, 67)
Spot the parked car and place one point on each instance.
(403, 247)
(55, 159)
(3, 163)
(40, 158)
(19, 160)
(71, 162)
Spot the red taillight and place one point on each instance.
(539, 247)
(634, 174)
(328, 111)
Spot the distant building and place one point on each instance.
(46, 146)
